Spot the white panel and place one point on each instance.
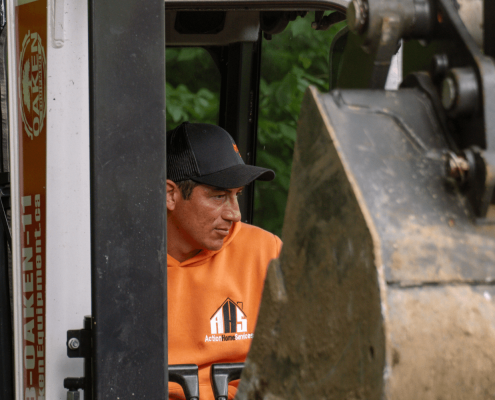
(15, 203)
(394, 77)
(68, 288)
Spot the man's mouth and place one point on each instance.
(223, 231)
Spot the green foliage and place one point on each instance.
(193, 87)
(184, 105)
(291, 61)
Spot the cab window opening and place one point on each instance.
(290, 62)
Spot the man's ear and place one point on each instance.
(173, 194)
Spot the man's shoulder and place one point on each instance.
(253, 246)
(251, 236)
(252, 230)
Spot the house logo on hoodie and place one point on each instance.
(228, 323)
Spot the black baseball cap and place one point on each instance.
(207, 154)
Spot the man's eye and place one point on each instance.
(239, 194)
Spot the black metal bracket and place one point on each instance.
(6, 371)
(324, 22)
(221, 375)
(5, 205)
(185, 375)
(480, 181)
(79, 345)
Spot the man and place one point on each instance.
(216, 264)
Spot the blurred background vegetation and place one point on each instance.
(291, 61)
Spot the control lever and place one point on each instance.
(221, 375)
(185, 375)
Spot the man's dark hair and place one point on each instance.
(186, 188)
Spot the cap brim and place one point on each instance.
(236, 176)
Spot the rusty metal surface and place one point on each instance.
(395, 152)
(442, 341)
(384, 285)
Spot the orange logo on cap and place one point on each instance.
(236, 149)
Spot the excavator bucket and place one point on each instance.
(384, 286)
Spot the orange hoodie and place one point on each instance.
(213, 303)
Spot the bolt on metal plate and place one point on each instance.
(73, 344)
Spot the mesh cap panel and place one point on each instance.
(181, 164)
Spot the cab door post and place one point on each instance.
(128, 212)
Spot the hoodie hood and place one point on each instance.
(204, 255)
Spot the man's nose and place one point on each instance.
(231, 210)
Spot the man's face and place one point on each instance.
(204, 220)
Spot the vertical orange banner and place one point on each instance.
(31, 16)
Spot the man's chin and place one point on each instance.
(215, 246)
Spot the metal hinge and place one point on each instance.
(79, 345)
